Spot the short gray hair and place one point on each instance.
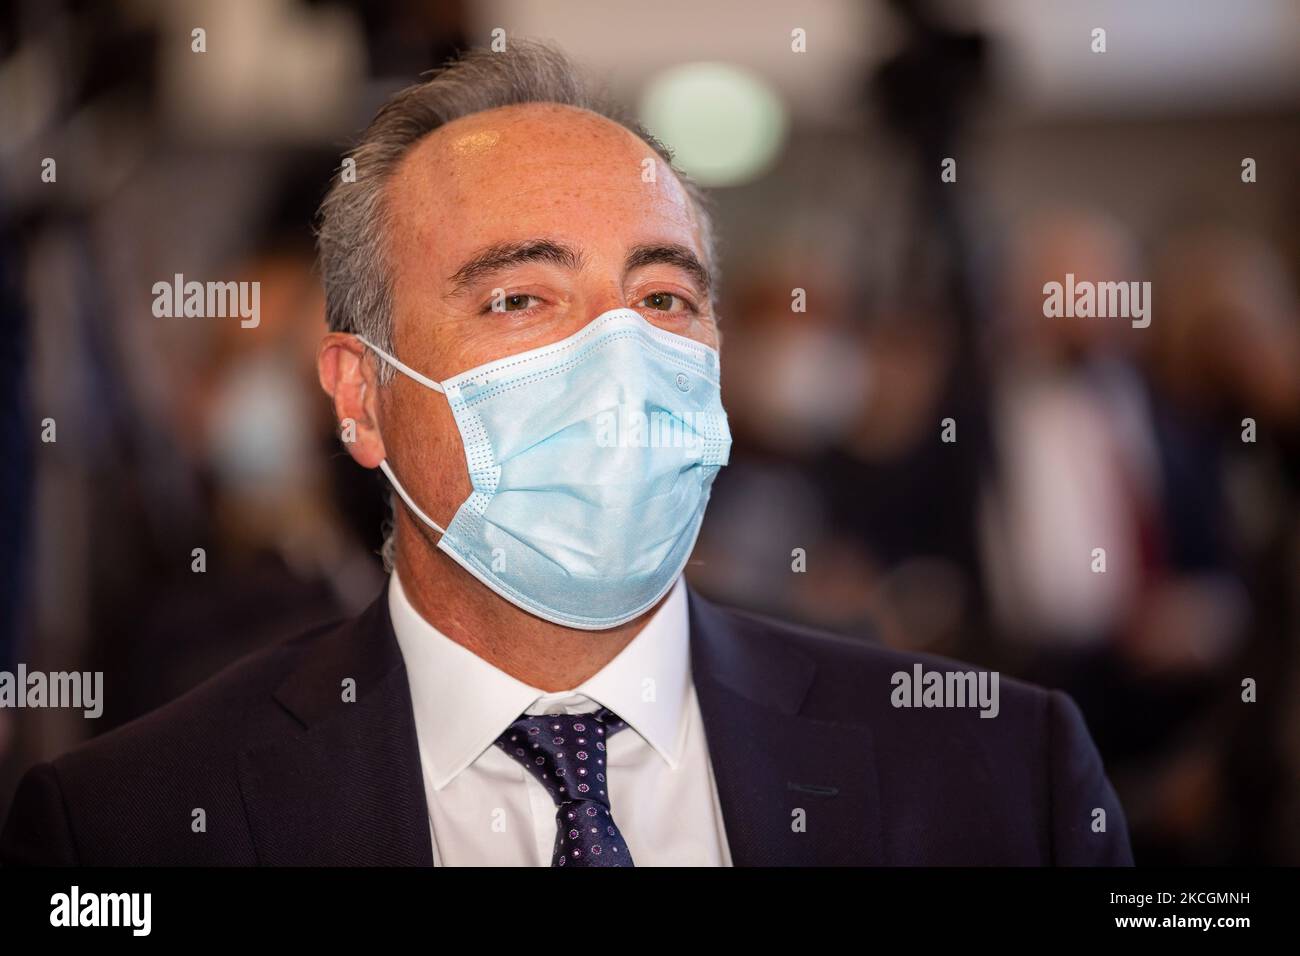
(351, 225)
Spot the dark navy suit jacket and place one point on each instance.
(287, 772)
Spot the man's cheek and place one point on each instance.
(432, 443)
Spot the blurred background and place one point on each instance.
(945, 456)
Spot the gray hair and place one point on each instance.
(352, 223)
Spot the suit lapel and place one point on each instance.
(346, 789)
(794, 790)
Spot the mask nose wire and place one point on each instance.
(383, 465)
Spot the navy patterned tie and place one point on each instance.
(566, 753)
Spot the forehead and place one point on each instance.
(534, 169)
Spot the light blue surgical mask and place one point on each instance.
(591, 462)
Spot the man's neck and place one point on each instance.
(541, 654)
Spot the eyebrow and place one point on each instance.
(671, 254)
(500, 256)
(506, 254)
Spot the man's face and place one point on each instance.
(512, 229)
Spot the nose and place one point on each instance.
(596, 300)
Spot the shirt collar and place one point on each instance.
(462, 703)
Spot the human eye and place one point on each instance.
(661, 301)
(513, 302)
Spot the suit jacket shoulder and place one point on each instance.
(930, 784)
(284, 757)
(123, 796)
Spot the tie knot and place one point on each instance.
(565, 752)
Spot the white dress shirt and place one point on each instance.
(485, 809)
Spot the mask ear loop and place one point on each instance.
(383, 465)
(402, 366)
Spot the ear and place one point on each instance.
(348, 378)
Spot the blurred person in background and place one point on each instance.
(1117, 437)
(283, 550)
(1224, 372)
(1076, 454)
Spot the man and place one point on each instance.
(520, 303)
